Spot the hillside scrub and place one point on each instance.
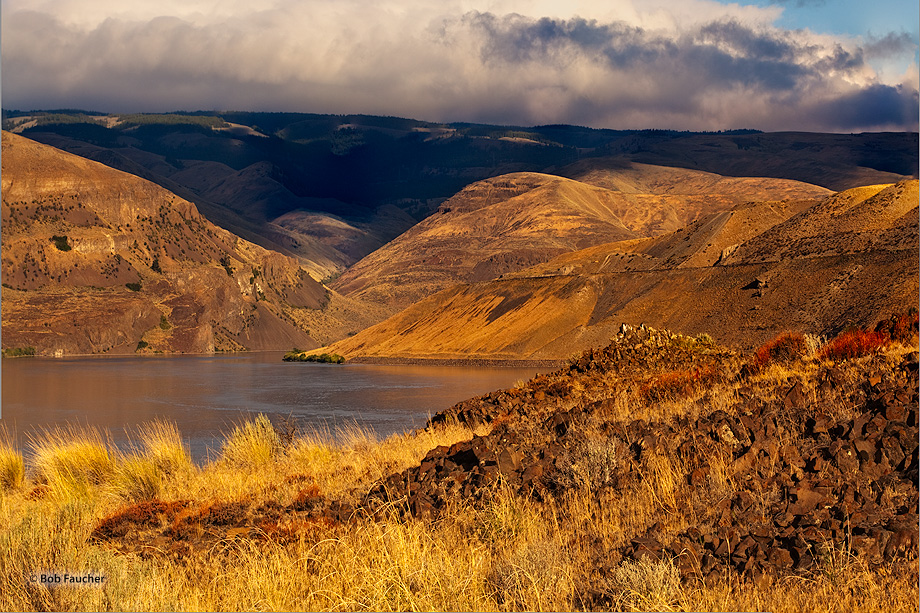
(785, 348)
(575, 490)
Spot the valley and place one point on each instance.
(404, 240)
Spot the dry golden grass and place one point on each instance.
(162, 444)
(71, 462)
(506, 553)
(251, 444)
(12, 467)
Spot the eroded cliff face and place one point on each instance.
(99, 261)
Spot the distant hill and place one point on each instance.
(99, 261)
(508, 223)
(330, 189)
(743, 275)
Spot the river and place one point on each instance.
(206, 395)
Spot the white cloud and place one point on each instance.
(696, 64)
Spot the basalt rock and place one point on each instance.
(808, 484)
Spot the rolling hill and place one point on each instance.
(743, 276)
(330, 189)
(505, 224)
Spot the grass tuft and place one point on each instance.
(647, 585)
(137, 478)
(71, 461)
(252, 443)
(163, 446)
(12, 467)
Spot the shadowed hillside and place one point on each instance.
(99, 261)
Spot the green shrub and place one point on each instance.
(61, 243)
(18, 352)
(324, 358)
(134, 287)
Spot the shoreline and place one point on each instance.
(490, 362)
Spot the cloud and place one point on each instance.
(893, 44)
(605, 64)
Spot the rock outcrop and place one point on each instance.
(776, 477)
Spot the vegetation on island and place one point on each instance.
(297, 355)
(61, 243)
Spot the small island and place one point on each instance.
(296, 355)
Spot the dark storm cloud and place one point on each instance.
(719, 55)
(714, 73)
(514, 38)
(877, 104)
(747, 42)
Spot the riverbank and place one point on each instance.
(488, 363)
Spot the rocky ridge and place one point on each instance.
(809, 478)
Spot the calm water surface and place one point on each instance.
(206, 395)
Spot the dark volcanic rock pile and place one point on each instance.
(822, 462)
(850, 483)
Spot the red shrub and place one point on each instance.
(900, 328)
(307, 498)
(672, 385)
(309, 492)
(854, 343)
(313, 528)
(142, 514)
(784, 348)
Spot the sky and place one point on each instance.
(816, 65)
